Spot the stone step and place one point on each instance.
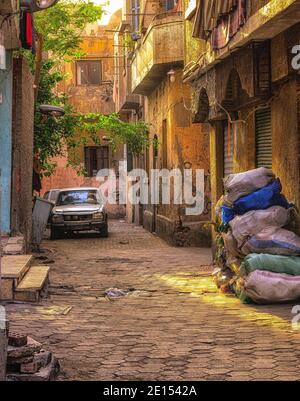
(30, 287)
(13, 270)
(15, 267)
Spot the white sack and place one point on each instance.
(265, 287)
(253, 222)
(275, 241)
(242, 184)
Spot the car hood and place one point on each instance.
(78, 209)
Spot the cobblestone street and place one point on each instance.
(173, 325)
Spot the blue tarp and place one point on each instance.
(262, 199)
(259, 200)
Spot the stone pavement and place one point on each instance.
(173, 325)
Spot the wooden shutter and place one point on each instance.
(263, 130)
(102, 157)
(228, 156)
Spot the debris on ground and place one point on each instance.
(115, 293)
(45, 260)
(28, 361)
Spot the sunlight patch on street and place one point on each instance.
(205, 289)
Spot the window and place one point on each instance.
(263, 132)
(96, 158)
(89, 72)
(228, 151)
(79, 197)
(135, 9)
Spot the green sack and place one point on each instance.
(273, 263)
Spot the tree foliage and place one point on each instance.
(62, 25)
(63, 136)
(59, 32)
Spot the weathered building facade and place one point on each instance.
(16, 128)
(157, 60)
(89, 86)
(245, 87)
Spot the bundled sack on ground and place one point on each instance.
(273, 263)
(239, 185)
(275, 241)
(265, 287)
(261, 199)
(253, 222)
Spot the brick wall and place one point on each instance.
(22, 155)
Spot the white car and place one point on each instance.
(78, 209)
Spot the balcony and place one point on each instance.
(160, 50)
(266, 20)
(126, 100)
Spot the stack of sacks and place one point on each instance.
(271, 278)
(260, 258)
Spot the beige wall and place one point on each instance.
(187, 146)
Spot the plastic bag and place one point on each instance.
(222, 279)
(262, 199)
(266, 287)
(231, 244)
(275, 241)
(238, 185)
(253, 222)
(273, 263)
(227, 214)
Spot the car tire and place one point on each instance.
(104, 231)
(55, 234)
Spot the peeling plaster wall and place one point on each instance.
(187, 146)
(23, 118)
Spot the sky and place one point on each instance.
(113, 6)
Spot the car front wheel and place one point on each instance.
(104, 231)
(55, 234)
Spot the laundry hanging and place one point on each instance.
(27, 31)
(219, 20)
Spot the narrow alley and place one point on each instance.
(173, 324)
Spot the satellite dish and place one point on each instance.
(37, 5)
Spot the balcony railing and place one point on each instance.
(160, 50)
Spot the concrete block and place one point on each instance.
(27, 350)
(43, 358)
(7, 286)
(31, 367)
(16, 339)
(48, 373)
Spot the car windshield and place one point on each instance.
(79, 198)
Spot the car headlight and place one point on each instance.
(98, 216)
(57, 218)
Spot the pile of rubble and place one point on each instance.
(28, 361)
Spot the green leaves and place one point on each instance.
(134, 135)
(60, 31)
(62, 25)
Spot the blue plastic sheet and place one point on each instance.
(262, 199)
(227, 214)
